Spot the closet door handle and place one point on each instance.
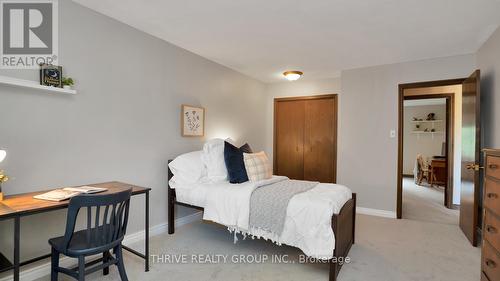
(493, 166)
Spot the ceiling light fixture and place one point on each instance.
(292, 75)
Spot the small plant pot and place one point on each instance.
(67, 87)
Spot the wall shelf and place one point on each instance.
(422, 132)
(426, 121)
(15, 82)
(432, 134)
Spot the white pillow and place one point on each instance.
(213, 158)
(257, 166)
(188, 168)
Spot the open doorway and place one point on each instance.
(428, 158)
(466, 172)
(429, 145)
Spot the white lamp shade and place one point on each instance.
(3, 153)
(292, 75)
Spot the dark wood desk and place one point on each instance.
(20, 205)
(439, 172)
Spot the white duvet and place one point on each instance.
(308, 220)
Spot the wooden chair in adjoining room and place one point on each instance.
(105, 230)
(422, 170)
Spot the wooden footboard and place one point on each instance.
(343, 226)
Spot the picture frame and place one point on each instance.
(192, 121)
(51, 75)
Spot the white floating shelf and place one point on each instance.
(10, 81)
(422, 132)
(426, 121)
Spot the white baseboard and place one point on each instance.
(44, 269)
(376, 212)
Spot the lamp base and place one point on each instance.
(1, 196)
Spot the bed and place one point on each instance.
(342, 220)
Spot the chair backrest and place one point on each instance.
(104, 228)
(420, 162)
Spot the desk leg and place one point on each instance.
(147, 234)
(17, 233)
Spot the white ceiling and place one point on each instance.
(263, 38)
(424, 102)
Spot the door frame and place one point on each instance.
(335, 125)
(449, 134)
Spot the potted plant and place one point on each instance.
(67, 82)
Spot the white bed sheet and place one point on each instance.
(307, 223)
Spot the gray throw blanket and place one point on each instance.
(268, 204)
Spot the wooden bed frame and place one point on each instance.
(343, 226)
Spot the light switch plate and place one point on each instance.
(392, 134)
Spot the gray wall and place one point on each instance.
(124, 122)
(368, 111)
(488, 60)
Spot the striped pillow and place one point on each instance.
(257, 166)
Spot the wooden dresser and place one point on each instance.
(490, 259)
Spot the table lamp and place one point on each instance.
(3, 177)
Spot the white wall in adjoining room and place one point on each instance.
(428, 145)
(124, 123)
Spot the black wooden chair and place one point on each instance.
(105, 231)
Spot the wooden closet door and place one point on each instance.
(319, 140)
(289, 139)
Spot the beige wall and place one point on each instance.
(124, 122)
(427, 145)
(488, 60)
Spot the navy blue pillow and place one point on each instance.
(235, 165)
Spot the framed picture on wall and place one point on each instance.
(192, 121)
(51, 75)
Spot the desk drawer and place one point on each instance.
(490, 262)
(492, 230)
(492, 195)
(493, 166)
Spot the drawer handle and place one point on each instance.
(493, 166)
(492, 195)
(491, 229)
(490, 263)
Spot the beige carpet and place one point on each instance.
(425, 203)
(386, 250)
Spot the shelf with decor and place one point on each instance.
(424, 132)
(16, 82)
(426, 121)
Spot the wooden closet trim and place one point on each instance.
(335, 127)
